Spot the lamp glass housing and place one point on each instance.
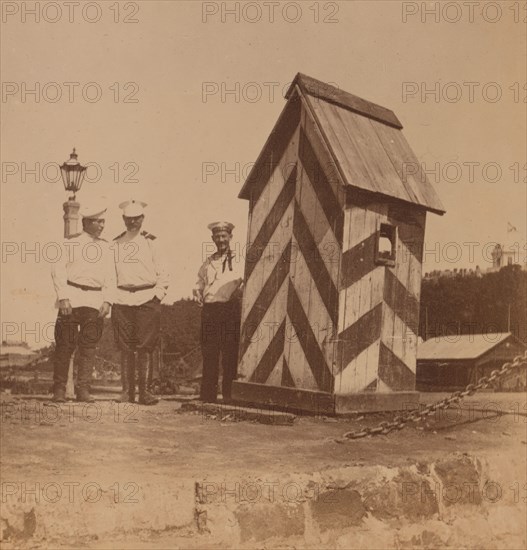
(72, 173)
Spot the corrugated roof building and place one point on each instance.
(451, 362)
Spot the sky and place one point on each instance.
(170, 102)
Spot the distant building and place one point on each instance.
(449, 363)
(16, 355)
(505, 255)
(509, 251)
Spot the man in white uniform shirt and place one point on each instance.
(218, 290)
(84, 283)
(142, 282)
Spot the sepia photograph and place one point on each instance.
(264, 274)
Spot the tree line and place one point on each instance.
(495, 302)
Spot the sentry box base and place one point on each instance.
(314, 402)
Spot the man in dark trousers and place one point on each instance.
(142, 282)
(218, 291)
(84, 283)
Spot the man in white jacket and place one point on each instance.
(142, 282)
(84, 283)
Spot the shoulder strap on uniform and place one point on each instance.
(121, 235)
(147, 235)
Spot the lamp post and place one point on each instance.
(72, 173)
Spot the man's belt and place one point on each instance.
(136, 288)
(84, 287)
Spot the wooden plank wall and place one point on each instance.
(290, 306)
(402, 289)
(379, 304)
(268, 256)
(361, 298)
(317, 237)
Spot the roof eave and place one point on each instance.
(350, 188)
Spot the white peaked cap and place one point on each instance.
(92, 210)
(132, 208)
(221, 226)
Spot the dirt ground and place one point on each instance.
(117, 444)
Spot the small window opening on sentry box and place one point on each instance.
(386, 244)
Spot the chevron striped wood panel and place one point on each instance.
(323, 312)
(379, 304)
(290, 307)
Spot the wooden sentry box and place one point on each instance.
(337, 208)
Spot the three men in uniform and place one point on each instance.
(131, 278)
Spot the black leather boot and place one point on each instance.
(84, 373)
(145, 397)
(59, 394)
(125, 393)
(130, 363)
(84, 395)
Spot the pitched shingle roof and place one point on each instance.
(367, 144)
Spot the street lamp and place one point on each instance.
(72, 173)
